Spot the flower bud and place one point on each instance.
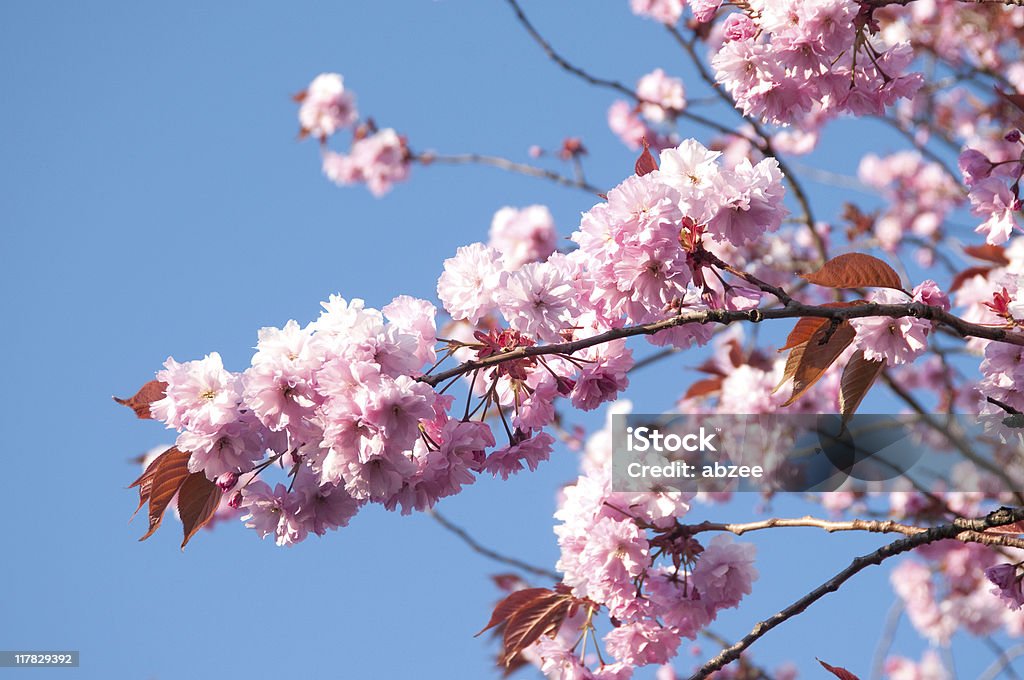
(227, 481)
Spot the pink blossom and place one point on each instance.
(992, 198)
(470, 282)
(509, 460)
(894, 340)
(627, 125)
(378, 160)
(930, 667)
(538, 300)
(604, 376)
(523, 235)
(1007, 585)
(662, 97)
(326, 106)
(704, 10)
(272, 512)
(738, 26)
(665, 11)
(236, 447)
(974, 166)
(725, 572)
(414, 317)
(200, 395)
(642, 643)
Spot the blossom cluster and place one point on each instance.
(920, 197)
(377, 158)
(995, 190)
(623, 552)
(784, 61)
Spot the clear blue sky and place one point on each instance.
(154, 202)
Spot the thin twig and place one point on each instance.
(429, 158)
(492, 554)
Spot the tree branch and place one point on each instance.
(999, 517)
(725, 316)
(429, 158)
(832, 526)
(491, 554)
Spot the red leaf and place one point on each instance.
(988, 253)
(646, 162)
(168, 476)
(855, 270)
(145, 480)
(840, 673)
(966, 275)
(1015, 99)
(147, 394)
(1014, 529)
(803, 331)
(807, 326)
(541, 616)
(504, 609)
(816, 358)
(198, 499)
(858, 376)
(703, 388)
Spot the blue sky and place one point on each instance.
(155, 202)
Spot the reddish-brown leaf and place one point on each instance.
(646, 162)
(150, 392)
(1015, 99)
(858, 376)
(855, 270)
(792, 361)
(1015, 528)
(807, 326)
(817, 357)
(168, 477)
(541, 616)
(840, 673)
(704, 387)
(966, 275)
(504, 609)
(145, 480)
(988, 253)
(198, 499)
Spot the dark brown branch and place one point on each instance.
(999, 517)
(605, 82)
(792, 310)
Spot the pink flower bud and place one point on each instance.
(227, 481)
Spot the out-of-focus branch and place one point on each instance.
(1003, 663)
(430, 158)
(492, 554)
(892, 622)
(1000, 517)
